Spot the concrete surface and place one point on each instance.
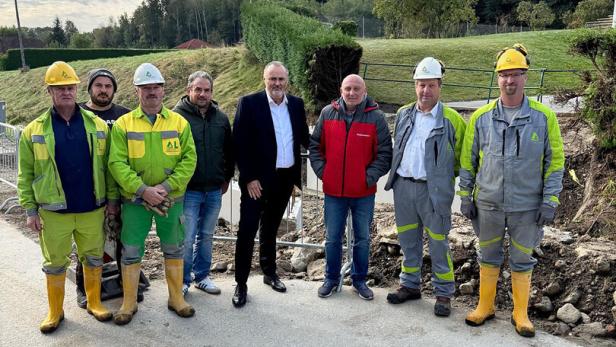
(297, 317)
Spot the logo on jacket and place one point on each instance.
(172, 147)
(534, 137)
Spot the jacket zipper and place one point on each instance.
(517, 141)
(503, 150)
(435, 154)
(346, 139)
(402, 139)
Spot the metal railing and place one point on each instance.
(490, 85)
(9, 146)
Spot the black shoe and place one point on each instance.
(275, 283)
(442, 306)
(403, 294)
(239, 298)
(82, 300)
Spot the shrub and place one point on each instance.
(348, 27)
(317, 57)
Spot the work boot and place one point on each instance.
(92, 282)
(55, 298)
(403, 294)
(442, 306)
(174, 272)
(130, 281)
(488, 276)
(520, 285)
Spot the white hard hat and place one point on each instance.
(147, 73)
(428, 68)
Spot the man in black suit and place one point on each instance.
(268, 129)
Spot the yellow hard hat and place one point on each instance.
(60, 74)
(512, 58)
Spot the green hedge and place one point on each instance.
(36, 57)
(348, 27)
(317, 57)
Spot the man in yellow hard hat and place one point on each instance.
(511, 174)
(63, 185)
(152, 158)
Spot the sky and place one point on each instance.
(86, 14)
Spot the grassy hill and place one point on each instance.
(547, 49)
(235, 73)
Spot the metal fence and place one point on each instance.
(9, 143)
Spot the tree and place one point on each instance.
(587, 11)
(81, 40)
(57, 37)
(70, 29)
(537, 16)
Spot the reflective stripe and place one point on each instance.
(489, 242)
(448, 276)
(168, 134)
(522, 249)
(131, 135)
(53, 207)
(407, 227)
(489, 265)
(463, 193)
(433, 236)
(99, 202)
(554, 199)
(38, 139)
(101, 134)
(409, 269)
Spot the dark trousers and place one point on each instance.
(265, 215)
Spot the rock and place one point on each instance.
(562, 329)
(316, 270)
(568, 314)
(231, 267)
(285, 265)
(573, 297)
(539, 252)
(466, 267)
(585, 318)
(602, 266)
(566, 238)
(219, 267)
(370, 282)
(560, 264)
(545, 305)
(592, 329)
(553, 289)
(506, 275)
(614, 297)
(389, 232)
(610, 330)
(466, 288)
(302, 257)
(393, 250)
(614, 313)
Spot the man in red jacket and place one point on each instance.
(350, 149)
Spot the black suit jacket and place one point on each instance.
(255, 141)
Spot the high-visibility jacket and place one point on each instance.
(143, 154)
(512, 167)
(38, 180)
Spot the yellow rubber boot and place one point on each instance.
(55, 297)
(130, 282)
(92, 283)
(488, 276)
(174, 271)
(520, 285)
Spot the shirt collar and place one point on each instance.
(271, 101)
(433, 112)
(56, 114)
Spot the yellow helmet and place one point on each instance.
(512, 58)
(60, 74)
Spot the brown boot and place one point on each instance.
(442, 306)
(403, 294)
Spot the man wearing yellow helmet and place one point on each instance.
(511, 174)
(63, 185)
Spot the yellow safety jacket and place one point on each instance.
(38, 180)
(143, 154)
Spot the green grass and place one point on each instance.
(234, 70)
(547, 49)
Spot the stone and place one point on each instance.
(284, 265)
(302, 257)
(389, 232)
(466, 288)
(466, 267)
(614, 297)
(553, 289)
(592, 329)
(545, 305)
(566, 238)
(568, 314)
(562, 329)
(316, 270)
(539, 252)
(585, 318)
(560, 264)
(573, 297)
(370, 282)
(393, 250)
(506, 275)
(614, 313)
(219, 267)
(602, 266)
(231, 267)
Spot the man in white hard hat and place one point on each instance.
(428, 140)
(152, 158)
(64, 185)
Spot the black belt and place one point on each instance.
(414, 180)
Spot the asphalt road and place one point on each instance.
(297, 317)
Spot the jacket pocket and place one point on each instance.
(39, 147)
(171, 142)
(136, 144)
(101, 142)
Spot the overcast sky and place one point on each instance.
(86, 14)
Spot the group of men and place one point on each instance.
(174, 167)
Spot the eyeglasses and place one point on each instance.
(514, 75)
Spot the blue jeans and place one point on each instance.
(336, 211)
(201, 214)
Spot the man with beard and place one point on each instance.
(102, 86)
(152, 158)
(511, 173)
(268, 129)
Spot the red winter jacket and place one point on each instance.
(350, 160)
